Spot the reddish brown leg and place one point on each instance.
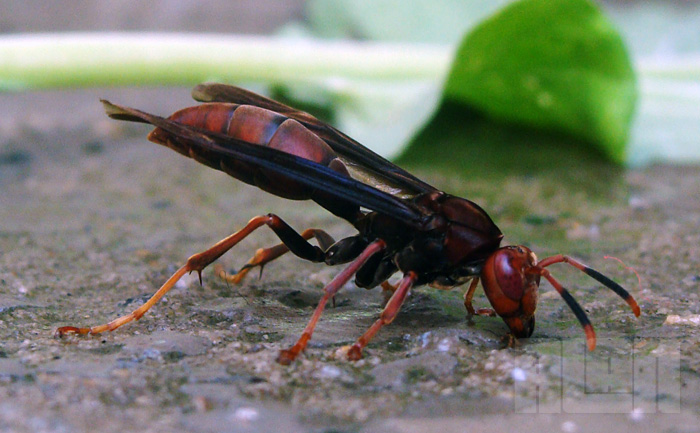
(286, 356)
(388, 290)
(195, 263)
(388, 315)
(468, 302)
(266, 255)
(388, 287)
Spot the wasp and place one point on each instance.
(404, 225)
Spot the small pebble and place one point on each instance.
(329, 372)
(674, 319)
(638, 203)
(637, 415)
(425, 339)
(22, 289)
(569, 427)
(444, 345)
(246, 414)
(518, 374)
(203, 404)
(151, 353)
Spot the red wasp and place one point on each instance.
(404, 225)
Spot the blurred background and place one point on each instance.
(240, 16)
(660, 27)
(662, 37)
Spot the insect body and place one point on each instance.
(404, 225)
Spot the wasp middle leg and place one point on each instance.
(286, 356)
(388, 314)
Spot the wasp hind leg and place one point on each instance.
(296, 243)
(264, 256)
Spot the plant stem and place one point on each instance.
(70, 60)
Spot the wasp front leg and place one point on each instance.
(468, 296)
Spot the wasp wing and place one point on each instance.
(370, 166)
(219, 149)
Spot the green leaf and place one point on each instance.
(551, 64)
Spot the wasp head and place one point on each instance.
(511, 287)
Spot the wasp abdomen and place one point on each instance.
(257, 126)
(248, 123)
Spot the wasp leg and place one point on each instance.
(286, 356)
(266, 255)
(388, 287)
(468, 297)
(388, 315)
(468, 303)
(198, 262)
(388, 290)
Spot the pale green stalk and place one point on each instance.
(61, 60)
(39, 61)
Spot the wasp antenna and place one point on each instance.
(575, 307)
(610, 284)
(607, 282)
